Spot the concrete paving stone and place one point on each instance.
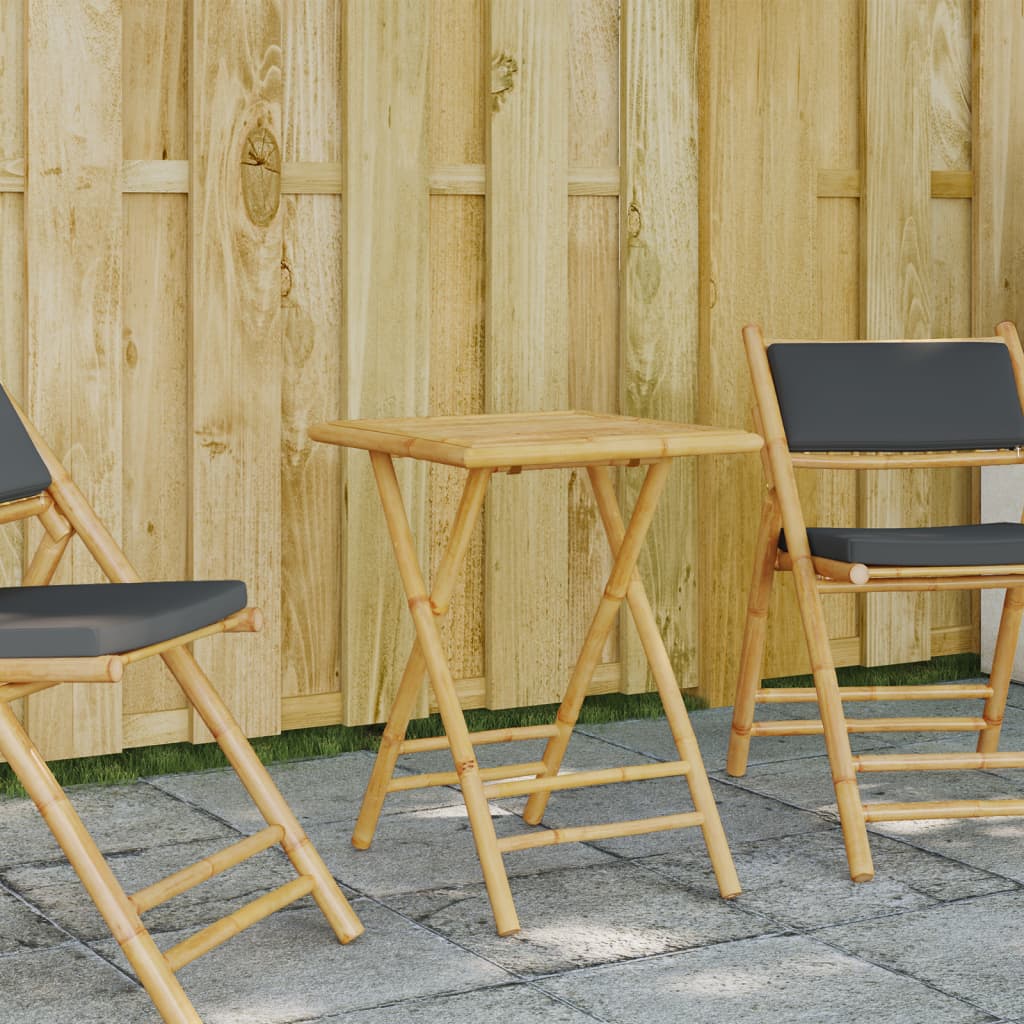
(802, 882)
(120, 818)
(770, 980)
(69, 985)
(290, 967)
(318, 790)
(745, 816)
(57, 891)
(1015, 698)
(22, 927)
(433, 847)
(578, 918)
(510, 1004)
(712, 726)
(972, 950)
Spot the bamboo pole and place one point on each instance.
(926, 810)
(829, 568)
(110, 899)
(938, 572)
(837, 741)
(907, 460)
(14, 691)
(461, 746)
(668, 689)
(205, 869)
(873, 586)
(1002, 668)
(228, 927)
(581, 780)
(24, 508)
(393, 741)
(814, 727)
(247, 620)
(615, 590)
(105, 668)
(939, 762)
(485, 736)
(593, 833)
(941, 691)
(755, 635)
(404, 783)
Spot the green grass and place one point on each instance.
(298, 744)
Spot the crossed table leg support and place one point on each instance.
(479, 785)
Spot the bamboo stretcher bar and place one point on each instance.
(926, 810)
(14, 691)
(944, 691)
(248, 620)
(205, 869)
(56, 526)
(592, 833)
(813, 726)
(23, 508)
(938, 762)
(106, 668)
(911, 572)
(874, 586)
(581, 780)
(403, 783)
(846, 572)
(227, 927)
(906, 460)
(522, 732)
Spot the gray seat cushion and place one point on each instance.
(897, 396)
(979, 544)
(22, 473)
(87, 619)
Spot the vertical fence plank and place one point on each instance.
(236, 336)
(659, 295)
(527, 343)
(387, 333)
(73, 246)
(154, 354)
(895, 276)
(593, 271)
(311, 290)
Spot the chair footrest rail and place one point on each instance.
(808, 695)
(944, 809)
(938, 762)
(592, 833)
(813, 726)
(580, 780)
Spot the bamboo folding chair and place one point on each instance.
(88, 633)
(899, 404)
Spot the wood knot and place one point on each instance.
(286, 278)
(634, 221)
(261, 175)
(504, 69)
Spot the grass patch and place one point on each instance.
(299, 744)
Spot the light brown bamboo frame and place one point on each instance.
(428, 659)
(64, 512)
(814, 577)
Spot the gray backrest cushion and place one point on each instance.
(22, 472)
(897, 396)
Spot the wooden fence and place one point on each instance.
(223, 220)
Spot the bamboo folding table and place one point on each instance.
(489, 444)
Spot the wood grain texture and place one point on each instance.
(154, 345)
(236, 345)
(457, 131)
(896, 274)
(311, 300)
(593, 258)
(386, 346)
(658, 353)
(73, 243)
(526, 524)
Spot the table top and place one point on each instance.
(534, 440)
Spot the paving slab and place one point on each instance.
(745, 815)
(770, 980)
(291, 968)
(972, 950)
(120, 818)
(433, 847)
(318, 790)
(510, 1004)
(22, 927)
(58, 892)
(70, 985)
(802, 881)
(578, 918)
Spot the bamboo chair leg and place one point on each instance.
(484, 837)
(111, 901)
(416, 667)
(754, 636)
(1002, 669)
(600, 626)
(668, 689)
(264, 792)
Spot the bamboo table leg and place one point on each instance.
(600, 626)
(668, 688)
(416, 667)
(461, 745)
